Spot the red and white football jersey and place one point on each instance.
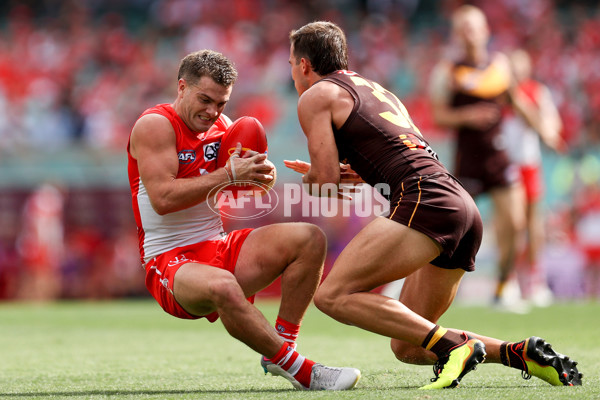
(522, 142)
(197, 155)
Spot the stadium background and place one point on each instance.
(75, 75)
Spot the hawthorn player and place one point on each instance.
(431, 236)
(193, 268)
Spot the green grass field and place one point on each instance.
(132, 349)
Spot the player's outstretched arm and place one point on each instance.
(347, 174)
(302, 167)
(551, 122)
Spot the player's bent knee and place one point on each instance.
(313, 240)
(327, 302)
(399, 349)
(225, 291)
(298, 240)
(409, 353)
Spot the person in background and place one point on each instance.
(469, 93)
(524, 150)
(41, 243)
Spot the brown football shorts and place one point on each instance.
(438, 206)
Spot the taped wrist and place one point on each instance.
(231, 166)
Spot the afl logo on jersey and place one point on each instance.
(186, 156)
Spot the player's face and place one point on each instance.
(201, 104)
(472, 29)
(300, 82)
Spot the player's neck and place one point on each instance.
(313, 78)
(176, 106)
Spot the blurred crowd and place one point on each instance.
(83, 70)
(76, 74)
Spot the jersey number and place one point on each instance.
(400, 115)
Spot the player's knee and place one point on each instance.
(322, 302)
(326, 301)
(510, 224)
(516, 227)
(410, 354)
(400, 350)
(225, 291)
(312, 240)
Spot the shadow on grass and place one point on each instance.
(141, 392)
(213, 392)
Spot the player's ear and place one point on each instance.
(181, 85)
(305, 65)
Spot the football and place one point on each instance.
(250, 133)
(246, 130)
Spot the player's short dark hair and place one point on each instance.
(207, 63)
(323, 44)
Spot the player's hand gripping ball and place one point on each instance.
(250, 133)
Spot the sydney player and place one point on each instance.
(431, 236)
(469, 94)
(193, 268)
(525, 150)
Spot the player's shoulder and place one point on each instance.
(321, 94)
(152, 129)
(152, 121)
(159, 112)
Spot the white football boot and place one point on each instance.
(321, 377)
